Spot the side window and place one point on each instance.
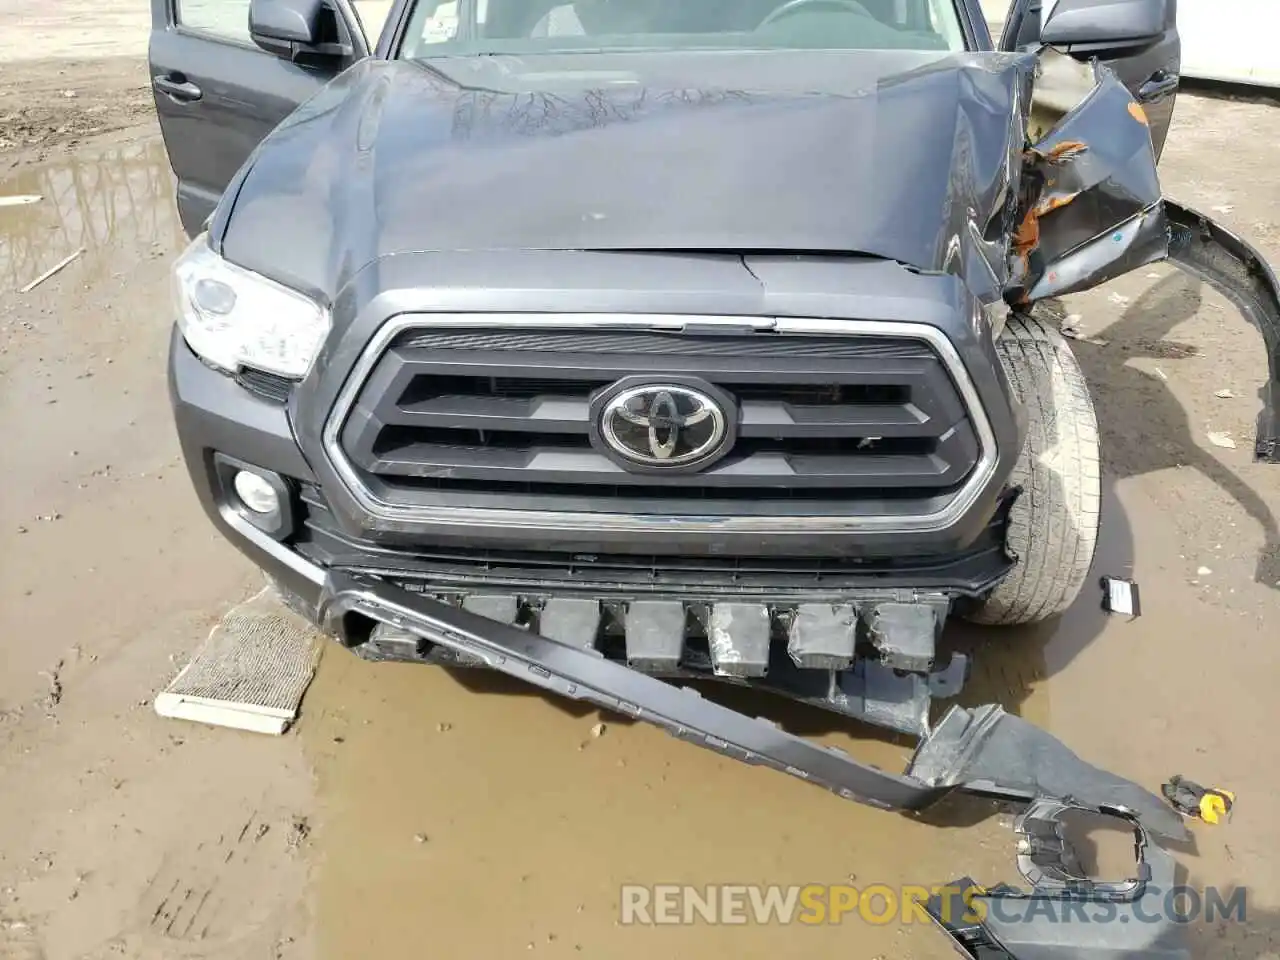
(373, 14)
(435, 22)
(228, 19)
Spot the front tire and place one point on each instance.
(1053, 523)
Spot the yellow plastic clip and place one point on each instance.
(1216, 805)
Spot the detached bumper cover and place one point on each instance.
(984, 751)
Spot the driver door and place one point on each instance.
(1150, 71)
(218, 94)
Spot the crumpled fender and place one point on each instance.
(1090, 209)
(1089, 206)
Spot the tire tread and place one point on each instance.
(1053, 524)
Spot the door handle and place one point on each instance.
(178, 88)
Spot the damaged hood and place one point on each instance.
(905, 156)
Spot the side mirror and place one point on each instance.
(296, 29)
(1096, 25)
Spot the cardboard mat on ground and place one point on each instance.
(251, 671)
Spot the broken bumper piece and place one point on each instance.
(1063, 913)
(1237, 271)
(985, 751)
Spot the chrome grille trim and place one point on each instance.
(654, 524)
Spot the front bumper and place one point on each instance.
(983, 751)
(214, 414)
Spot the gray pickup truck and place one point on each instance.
(616, 340)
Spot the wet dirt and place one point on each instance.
(417, 811)
(123, 835)
(50, 106)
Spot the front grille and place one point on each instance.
(828, 425)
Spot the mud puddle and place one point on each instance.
(83, 407)
(121, 834)
(490, 821)
(106, 202)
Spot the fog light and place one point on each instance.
(256, 493)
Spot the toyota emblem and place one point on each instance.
(662, 425)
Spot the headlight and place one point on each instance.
(233, 318)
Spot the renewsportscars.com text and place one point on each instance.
(675, 904)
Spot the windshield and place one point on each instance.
(524, 27)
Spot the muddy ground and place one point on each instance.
(414, 813)
(57, 105)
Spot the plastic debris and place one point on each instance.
(1210, 804)
(1071, 329)
(598, 730)
(1222, 440)
(1203, 571)
(1119, 298)
(20, 200)
(1223, 394)
(1121, 597)
(1223, 208)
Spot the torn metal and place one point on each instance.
(1090, 205)
(985, 751)
(1025, 175)
(906, 634)
(1090, 209)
